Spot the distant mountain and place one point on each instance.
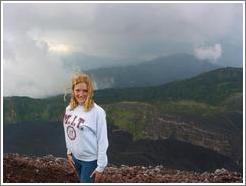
(155, 72)
(204, 111)
(210, 87)
(232, 55)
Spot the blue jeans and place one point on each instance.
(85, 169)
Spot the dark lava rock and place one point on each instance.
(49, 169)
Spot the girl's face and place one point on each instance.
(80, 92)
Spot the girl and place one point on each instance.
(85, 130)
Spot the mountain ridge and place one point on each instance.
(151, 73)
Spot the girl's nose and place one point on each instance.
(81, 93)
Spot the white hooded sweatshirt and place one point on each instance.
(86, 134)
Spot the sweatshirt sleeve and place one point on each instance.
(102, 141)
(68, 151)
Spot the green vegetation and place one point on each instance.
(187, 107)
(131, 116)
(132, 109)
(16, 109)
(233, 103)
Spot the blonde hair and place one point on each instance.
(89, 102)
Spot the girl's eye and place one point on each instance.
(83, 90)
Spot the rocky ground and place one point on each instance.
(49, 169)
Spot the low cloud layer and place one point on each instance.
(33, 71)
(44, 44)
(211, 53)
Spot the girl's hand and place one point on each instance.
(98, 176)
(70, 160)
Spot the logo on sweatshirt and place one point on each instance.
(71, 133)
(73, 120)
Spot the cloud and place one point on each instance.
(44, 43)
(126, 30)
(32, 70)
(211, 53)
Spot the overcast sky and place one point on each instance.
(44, 43)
